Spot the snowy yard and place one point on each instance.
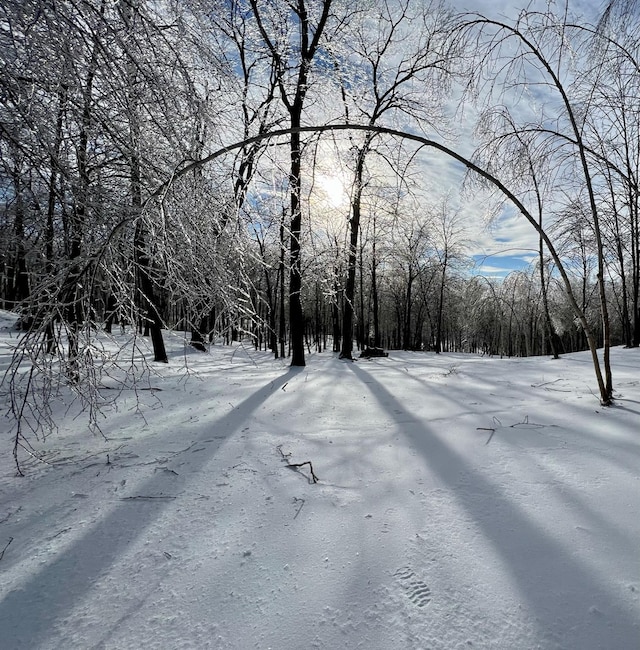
(462, 502)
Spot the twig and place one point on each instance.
(240, 468)
(285, 457)
(60, 532)
(6, 546)
(526, 422)
(546, 383)
(306, 462)
(123, 388)
(166, 469)
(10, 515)
(302, 502)
(34, 455)
(143, 496)
(492, 429)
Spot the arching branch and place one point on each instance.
(421, 140)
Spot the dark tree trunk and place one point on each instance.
(150, 313)
(374, 295)
(441, 305)
(296, 316)
(282, 330)
(18, 279)
(199, 330)
(112, 312)
(362, 325)
(73, 310)
(346, 351)
(406, 331)
(552, 336)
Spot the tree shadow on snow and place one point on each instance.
(561, 591)
(29, 615)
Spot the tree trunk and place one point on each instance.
(374, 293)
(406, 332)
(296, 316)
(282, 333)
(199, 328)
(150, 313)
(552, 336)
(441, 305)
(19, 283)
(346, 351)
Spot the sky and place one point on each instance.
(510, 9)
(510, 243)
(500, 241)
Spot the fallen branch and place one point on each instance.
(546, 383)
(285, 457)
(525, 422)
(492, 429)
(10, 515)
(240, 468)
(142, 496)
(33, 455)
(136, 388)
(368, 353)
(306, 462)
(6, 546)
(60, 532)
(301, 501)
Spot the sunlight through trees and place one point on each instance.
(310, 175)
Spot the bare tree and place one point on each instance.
(449, 243)
(407, 55)
(291, 68)
(533, 47)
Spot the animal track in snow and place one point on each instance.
(417, 591)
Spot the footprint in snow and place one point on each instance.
(417, 591)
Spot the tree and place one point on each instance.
(380, 80)
(95, 73)
(609, 90)
(531, 47)
(292, 66)
(449, 244)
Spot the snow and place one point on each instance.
(462, 502)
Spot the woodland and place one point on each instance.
(311, 175)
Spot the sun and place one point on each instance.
(334, 190)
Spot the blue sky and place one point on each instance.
(510, 242)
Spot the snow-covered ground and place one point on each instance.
(462, 502)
